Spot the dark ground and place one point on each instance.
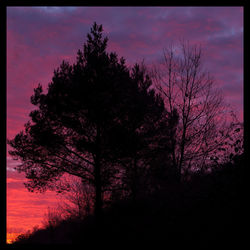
(207, 210)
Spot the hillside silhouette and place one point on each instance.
(208, 208)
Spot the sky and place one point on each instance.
(39, 38)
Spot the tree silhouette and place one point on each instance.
(95, 116)
(202, 129)
(77, 202)
(148, 137)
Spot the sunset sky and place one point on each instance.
(39, 38)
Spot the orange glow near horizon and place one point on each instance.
(25, 210)
(11, 237)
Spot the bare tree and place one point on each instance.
(52, 218)
(78, 201)
(189, 89)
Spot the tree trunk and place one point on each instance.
(134, 181)
(98, 192)
(183, 140)
(98, 181)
